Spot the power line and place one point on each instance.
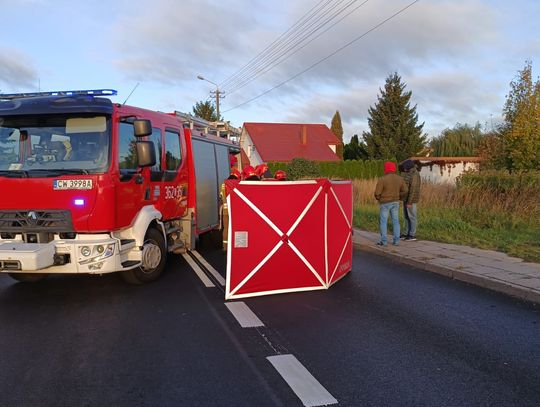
(280, 61)
(291, 38)
(275, 43)
(327, 57)
(267, 63)
(288, 45)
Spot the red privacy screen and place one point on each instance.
(287, 236)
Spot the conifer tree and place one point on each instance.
(206, 110)
(394, 132)
(337, 129)
(354, 150)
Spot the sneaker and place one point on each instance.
(403, 237)
(410, 239)
(380, 244)
(395, 244)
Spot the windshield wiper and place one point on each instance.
(54, 172)
(74, 171)
(14, 173)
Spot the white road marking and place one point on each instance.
(204, 278)
(209, 267)
(243, 314)
(304, 385)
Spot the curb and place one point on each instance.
(504, 287)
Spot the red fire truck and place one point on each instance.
(92, 186)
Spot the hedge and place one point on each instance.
(349, 169)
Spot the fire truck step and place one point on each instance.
(130, 263)
(127, 244)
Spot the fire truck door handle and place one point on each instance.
(139, 179)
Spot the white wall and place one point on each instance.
(445, 173)
(247, 145)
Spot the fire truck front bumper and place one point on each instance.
(91, 256)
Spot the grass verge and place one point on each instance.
(496, 231)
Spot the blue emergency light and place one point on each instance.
(89, 92)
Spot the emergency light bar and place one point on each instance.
(90, 92)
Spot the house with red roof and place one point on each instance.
(266, 142)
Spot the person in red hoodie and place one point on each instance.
(390, 189)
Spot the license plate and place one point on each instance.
(72, 184)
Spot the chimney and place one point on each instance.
(303, 138)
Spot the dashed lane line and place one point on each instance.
(204, 278)
(308, 389)
(243, 314)
(209, 267)
(305, 386)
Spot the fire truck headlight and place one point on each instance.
(101, 252)
(85, 251)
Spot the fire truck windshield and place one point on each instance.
(59, 144)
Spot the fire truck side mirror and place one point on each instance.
(146, 154)
(142, 128)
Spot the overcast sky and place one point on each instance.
(456, 56)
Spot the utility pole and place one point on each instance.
(217, 94)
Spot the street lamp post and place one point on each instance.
(218, 93)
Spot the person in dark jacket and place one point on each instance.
(413, 181)
(390, 189)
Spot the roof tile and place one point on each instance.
(283, 141)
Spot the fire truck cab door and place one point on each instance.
(173, 198)
(133, 191)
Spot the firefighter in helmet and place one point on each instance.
(235, 174)
(263, 171)
(280, 175)
(249, 174)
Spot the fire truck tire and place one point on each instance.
(28, 277)
(154, 253)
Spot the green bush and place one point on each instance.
(301, 168)
(349, 169)
(352, 169)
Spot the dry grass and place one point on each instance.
(523, 203)
(507, 220)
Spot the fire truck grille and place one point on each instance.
(53, 221)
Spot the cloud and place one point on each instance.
(422, 39)
(423, 36)
(172, 42)
(442, 99)
(16, 70)
(446, 98)
(448, 52)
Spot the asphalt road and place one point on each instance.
(386, 335)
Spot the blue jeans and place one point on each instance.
(393, 208)
(410, 219)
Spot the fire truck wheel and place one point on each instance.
(153, 258)
(28, 277)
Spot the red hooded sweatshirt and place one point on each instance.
(390, 187)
